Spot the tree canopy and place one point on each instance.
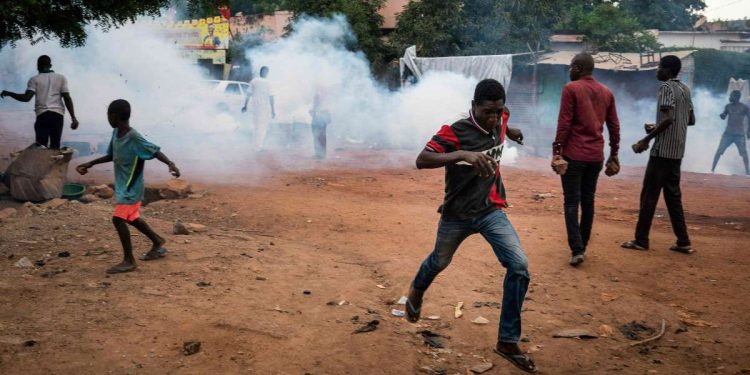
(608, 28)
(664, 14)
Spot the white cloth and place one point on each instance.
(48, 89)
(499, 67)
(261, 91)
(742, 86)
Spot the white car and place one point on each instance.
(230, 95)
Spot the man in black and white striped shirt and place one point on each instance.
(674, 114)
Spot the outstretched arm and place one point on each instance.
(25, 97)
(69, 105)
(84, 168)
(172, 167)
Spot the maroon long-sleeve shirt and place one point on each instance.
(585, 106)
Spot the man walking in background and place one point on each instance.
(736, 132)
(263, 107)
(51, 90)
(674, 114)
(578, 150)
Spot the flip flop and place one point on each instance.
(521, 361)
(153, 255)
(412, 314)
(121, 269)
(682, 249)
(632, 245)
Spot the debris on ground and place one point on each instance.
(432, 317)
(203, 284)
(369, 327)
(457, 310)
(306, 292)
(482, 368)
(575, 333)
(88, 198)
(191, 347)
(175, 189)
(180, 228)
(381, 286)
(496, 305)
(689, 320)
(102, 191)
(24, 263)
(52, 273)
(398, 313)
(606, 330)
(542, 196)
(63, 254)
(633, 330)
(480, 320)
(195, 227)
(402, 300)
(432, 339)
(7, 213)
(606, 297)
(40, 263)
(53, 204)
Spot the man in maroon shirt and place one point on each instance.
(578, 151)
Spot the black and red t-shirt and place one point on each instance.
(467, 195)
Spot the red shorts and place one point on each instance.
(128, 212)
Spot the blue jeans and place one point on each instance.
(498, 231)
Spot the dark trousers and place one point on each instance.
(661, 174)
(48, 128)
(319, 125)
(579, 189)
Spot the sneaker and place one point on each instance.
(577, 259)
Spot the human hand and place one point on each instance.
(640, 146)
(649, 128)
(244, 109)
(723, 116)
(3, 94)
(485, 165)
(74, 124)
(559, 165)
(273, 115)
(83, 168)
(613, 166)
(173, 169)
(515, 135)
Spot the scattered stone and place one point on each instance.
(196, 227)
(398, 313)
(63, 254)
(39, 263)
(203, 284)
(54, 204)
(88, 198)
(102, 191)
(260, 278)
(7, 214)
(369, 327)
(98, 251)
(688, 319)
(29, 343)
(496, 305)
(457, 311)
(381, 286)
(180, 228)
(191, 347)
(24, 263)
(306, 292)
(432, 317)
(480, 320)
(52, 273)
(402, 300)
(482, 368)
(525, 339)
(175, 189)
(606, 297)
(432, 339)
(575, 333)
(606, 330)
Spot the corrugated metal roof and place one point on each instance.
(609, 60)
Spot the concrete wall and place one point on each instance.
(696, 39)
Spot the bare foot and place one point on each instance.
(125, 266)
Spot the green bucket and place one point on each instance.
(73, 191)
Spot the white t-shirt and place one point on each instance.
(48, 89)
(261, 91)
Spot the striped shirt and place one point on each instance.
(670, 143)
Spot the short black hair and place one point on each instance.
(489, 89)
(120, 108)
(671, 63)
(585, 61)
(44, 60)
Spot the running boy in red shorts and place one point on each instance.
(129, 151)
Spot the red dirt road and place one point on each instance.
(339, 231)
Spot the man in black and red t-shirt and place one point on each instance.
(470, 151)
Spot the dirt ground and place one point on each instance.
(338, 230)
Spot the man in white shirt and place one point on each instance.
(50, 89)
(263, 108)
